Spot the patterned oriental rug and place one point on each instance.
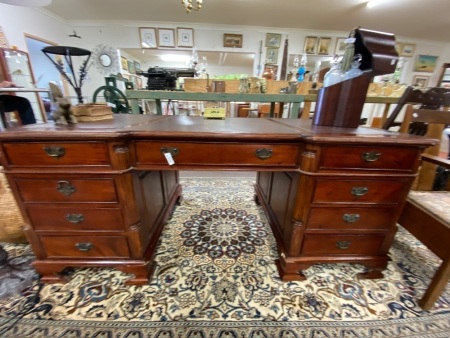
(216, 277)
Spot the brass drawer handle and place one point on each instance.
(84, 246)
(343, 245)
(75, 218)
(173, 151)
(351, 218)
(359, 191)
(263, 153)
(65, 188)
(370, 156)
(55, 151)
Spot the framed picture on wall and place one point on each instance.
(137, 66)
(166, 37)
(232, 40)
(310, 45)
(272, 55)
(324, 46)
(185, 37)
(124, 62)
(425, 63)
(147, 37)
(131, 67)
(340, 46)
(420, 81)
(273, 40)
(407, 49)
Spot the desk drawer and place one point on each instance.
(345, 219)
(218, 154)
(85, 246)
(67, 190)
(377, 158)
(57, 154)
(342, 245)
(76, 218)
(359, 191)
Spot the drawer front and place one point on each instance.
(217, 154)
(71, 190)
(342, 245)
(57, 154)
(359, 191)
(85, 246)
(76, 218)
(359, 219)
(377, 158)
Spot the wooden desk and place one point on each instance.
(97, 194)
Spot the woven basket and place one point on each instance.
(11, 221)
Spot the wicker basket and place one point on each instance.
(11, 221)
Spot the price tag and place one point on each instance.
(169, 158)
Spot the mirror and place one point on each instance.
(105, 60)
(219, 63)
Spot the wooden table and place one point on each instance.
(97, 194)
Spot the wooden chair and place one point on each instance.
(426, 214)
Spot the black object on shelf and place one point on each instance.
(76, 81)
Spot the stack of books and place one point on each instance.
(92, 112)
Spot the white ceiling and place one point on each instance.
(420, 19)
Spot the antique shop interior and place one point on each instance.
(326, 96)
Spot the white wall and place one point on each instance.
(207, 38)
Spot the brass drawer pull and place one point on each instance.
(343, 245)
(351, 218)
(173, 151)
(263, 153)
(84, 246)
(55, 151)
(65, 188)
(359, 191)
(75, 218)
(370, 156)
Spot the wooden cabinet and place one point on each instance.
(15, 67)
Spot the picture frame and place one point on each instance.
(310, 45)
(131, 69)
(272, 55)
(407, 49)
(340, 46)
(323, 46)
(273, 40)
(166, 37)
(147, 36)
(420, 81)
(232, 40)
(185, 37)
(425, 63)
(124, 62)
(398, 48)
(271, 69)
(137, 67)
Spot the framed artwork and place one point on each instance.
(124, 62)
(324, 46)
(147, 37)
(425, 63)
(272, 55)
(398, 47)
(232, 40)
(166, 37)
(131, 67)
(270, 72)
(407, 49)
(310, 45)
(137, 66)
(420, 81)
(185, 37)
(273, 40)
(340, 46)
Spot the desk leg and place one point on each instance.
(134, 106)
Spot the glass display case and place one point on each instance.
(15, 67)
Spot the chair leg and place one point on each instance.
(437, 285)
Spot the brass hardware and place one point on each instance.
(55, 151)
(66, 188)
(351, 218)
(84, 246)
(370, 156)
(75, 218)
(343, 245)
(359, 191)
(263, 153)
(173, 151)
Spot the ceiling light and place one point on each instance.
(27, 3)
(190, 7)
(373, 3)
